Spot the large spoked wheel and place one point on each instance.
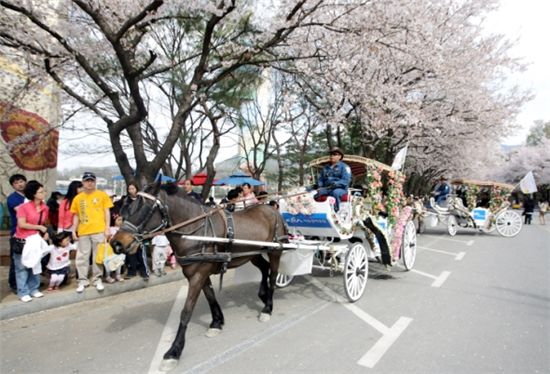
(452, 225)
(508, 223)
(409, 246)
(356, 272)
(283, 280)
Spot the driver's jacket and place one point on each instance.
(337, 176)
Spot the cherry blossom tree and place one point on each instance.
(102, 55)
(416, 72)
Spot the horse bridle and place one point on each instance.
(136, 231)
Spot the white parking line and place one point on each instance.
(378, 350)
(230, 354)
(169, 331)
(389, 334)
(458, 256)
(438, 280)
(469, 243)
(172, 323)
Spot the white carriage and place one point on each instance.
(368, 226)
(462, 211)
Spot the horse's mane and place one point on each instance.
(172, 189)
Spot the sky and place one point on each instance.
(527, 21)
(521, 20)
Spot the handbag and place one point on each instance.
(17, 245)
(106, 257)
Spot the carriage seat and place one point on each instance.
(322, 198)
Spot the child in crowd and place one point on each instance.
(160, 251)
(112, 232)
(59, 263)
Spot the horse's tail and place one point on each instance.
(281, 228)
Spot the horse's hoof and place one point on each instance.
(264, 317)
(213, 332)
(168, 364)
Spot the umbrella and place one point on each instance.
(238, 179)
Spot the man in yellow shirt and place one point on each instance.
(91, 223)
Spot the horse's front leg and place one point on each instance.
(217, 315)
(171, 357)
(265, 293)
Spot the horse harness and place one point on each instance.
(224, 257)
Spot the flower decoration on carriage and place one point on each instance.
(499, 198)
(471, 196)
(398, 230)
(395, 198)
(302, 203)
(374, 190)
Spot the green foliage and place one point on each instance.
(538, 132)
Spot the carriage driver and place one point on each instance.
(441, 191)
(335, 178)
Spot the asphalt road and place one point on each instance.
(475, 303)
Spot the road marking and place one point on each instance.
(389, 334)
(438, 280)
(371, 358)
(458, 256)
(469, 243)
(230, 354)
(172, 323)
(169, 331)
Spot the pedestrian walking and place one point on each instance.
(528, 209)
(543, 208)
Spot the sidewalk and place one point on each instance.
(11, 306)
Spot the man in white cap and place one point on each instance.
(91, 223)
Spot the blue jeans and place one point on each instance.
(27, 282)
(337, 193)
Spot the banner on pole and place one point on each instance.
(399, 159)
(528, 184)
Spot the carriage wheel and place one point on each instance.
(409, 246)
(508, 223)
(356, 272)
(283, 280)
(452, 225)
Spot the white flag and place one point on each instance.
(399, 159)
(528, 184)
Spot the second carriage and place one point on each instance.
(372, 224)
(480, 205)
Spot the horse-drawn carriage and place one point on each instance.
(372, 224)
(481, 205)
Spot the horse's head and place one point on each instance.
(142, 216)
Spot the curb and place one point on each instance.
(16, 308)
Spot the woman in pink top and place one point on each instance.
(65, 222)
(31, 219)
(248, 195)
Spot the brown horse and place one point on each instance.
(157, 209)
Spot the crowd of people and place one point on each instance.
(43, 233)
(83, 221)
